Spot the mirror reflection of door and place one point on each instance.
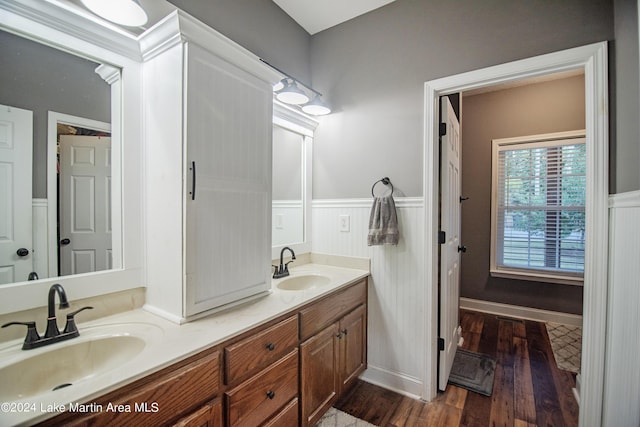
(16, 242)
(84, 204)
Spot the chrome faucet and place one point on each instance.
(283, 269)
(52, 334)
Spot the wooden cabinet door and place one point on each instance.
(319, 378)
(209, 415)
(353, 346)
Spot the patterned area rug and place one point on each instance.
(566, 343)
(336, 418)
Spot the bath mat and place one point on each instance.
(337, 418)
(566, 343)
(473, 371)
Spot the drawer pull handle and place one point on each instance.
(271, 346)
(271, 394)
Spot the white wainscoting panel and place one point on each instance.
(287, 222)
(396, 293)
(622, 367)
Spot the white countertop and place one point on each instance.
(167, 342)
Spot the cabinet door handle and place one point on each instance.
(344, 332)
(339, 335)
(271, 347)
(193, 180)
(271, 394)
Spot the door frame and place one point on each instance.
(592, 59)
(53, 119)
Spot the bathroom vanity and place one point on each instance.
(218, 341)
(287, 369)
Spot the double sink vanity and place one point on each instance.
(218, 341)
(279, 360)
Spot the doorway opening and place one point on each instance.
(592, 60)
(78, 145)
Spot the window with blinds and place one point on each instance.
(538, 208)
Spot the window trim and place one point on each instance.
(550, 139)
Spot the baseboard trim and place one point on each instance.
(520, 312)
(394, 381)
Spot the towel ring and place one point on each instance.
(385, 181)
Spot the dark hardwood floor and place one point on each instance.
(528, 390)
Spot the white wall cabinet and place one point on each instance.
(208, 120)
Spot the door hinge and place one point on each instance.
(440, 344)
(443, 129)
(442, 237)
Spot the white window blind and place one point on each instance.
(539, 207)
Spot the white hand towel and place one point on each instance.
(383, 222)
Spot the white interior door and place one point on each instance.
(450, 249)
(85, 204)
(16, 146)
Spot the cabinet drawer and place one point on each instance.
(288, 417)
(261, 396)
(209, 415)
(326, 311)
(156, 402)
(248, 356)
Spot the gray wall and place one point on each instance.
(625, 105)
(41, 79)
(259, 26)
(527, 110)
(372, 70)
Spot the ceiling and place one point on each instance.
(315, 16)
(526, 81)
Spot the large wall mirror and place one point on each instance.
(291, 191)
(56, 152)
(65, 130)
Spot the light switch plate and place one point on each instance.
(279, 222)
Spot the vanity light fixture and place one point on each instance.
(292, 94)
(279, 86)
(316, 107)
(123, 12)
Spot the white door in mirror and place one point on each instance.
(85, 204)
(16, 145)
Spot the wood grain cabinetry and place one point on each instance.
(319, 376)
(245, 357)
(353, 346)
(209, 415)
(155, 400)
(262, 396)
(287, 372)
(261, 371)
(331, 359)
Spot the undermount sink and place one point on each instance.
(62, 365)
(303, 282)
